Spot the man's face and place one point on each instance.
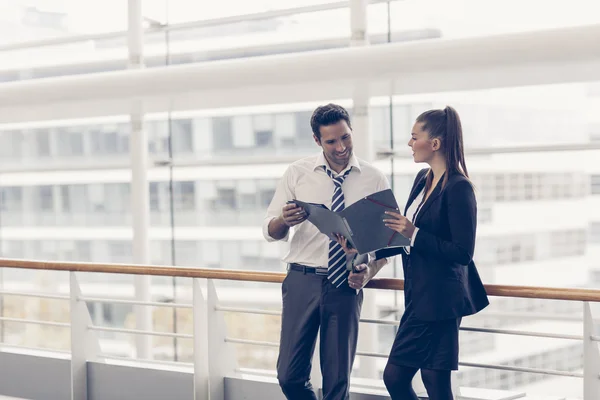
(336, 141)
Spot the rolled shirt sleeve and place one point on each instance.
(283, 194)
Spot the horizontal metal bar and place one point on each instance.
(18, 346)
(274, 344)
(465, 364)
(530, 316)
(521, 333)
(371, 354)
(34, 294)
(395, 323)
(248, 310)
(595, 338)
(134, 302)
(278, 312)
(36, 322)
(185, 25)
(379, 321)
(252, 342)
(139, 332)
(146, 360)
(523, 369)
(505, 150)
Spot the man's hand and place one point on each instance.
(400, 224)
(292, 214)
(358, 280)
(345, 245)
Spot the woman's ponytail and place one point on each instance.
(453, 141)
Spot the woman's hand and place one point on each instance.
(345, 245)
(360, 276)
(400, 224)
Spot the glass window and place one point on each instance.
(106, 140)
(263, 130)
(45, 198)
(69, 142)
(154, 197)
(594, 232)
(186, 252)
(266, 191)
(222, 133)
(120, 251)
(226, 199)
(263, 138)
(11, 145)
(304, 134)
(184, 195)
(285, 129)
(247, 194)
(11, 198)
(96, 197)
(65, 198)
(83, 250)
(595, 184)
(116, 197)
(243, 136)
(182, 135)
(42, 142)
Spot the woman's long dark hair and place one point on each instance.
(445, 125)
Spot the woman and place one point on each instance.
(441, 281)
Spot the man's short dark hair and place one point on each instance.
(328, 114)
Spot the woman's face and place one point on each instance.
(422, 146)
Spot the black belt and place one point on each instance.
(308, 270)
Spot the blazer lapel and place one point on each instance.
(415, 191)
(435, 194)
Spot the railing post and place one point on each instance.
(454, 383)
(316, 377)
(591, 356)
(140, 209)
(222, 360)
(201, 328)
(84, 343)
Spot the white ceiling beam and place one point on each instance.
(531, 58)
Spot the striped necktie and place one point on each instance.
(336, 267)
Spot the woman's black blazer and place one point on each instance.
(445, 281)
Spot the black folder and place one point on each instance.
(360, 223)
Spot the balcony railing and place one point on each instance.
(214, 363)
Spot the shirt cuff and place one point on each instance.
(413, 237)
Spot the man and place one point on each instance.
(318, 291)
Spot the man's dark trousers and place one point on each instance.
(310, 301)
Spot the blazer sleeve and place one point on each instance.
(462, 218)
(388, 252)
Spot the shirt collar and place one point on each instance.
(322, 162)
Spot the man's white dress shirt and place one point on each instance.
(306, 180)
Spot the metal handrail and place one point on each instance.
(533, 292)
